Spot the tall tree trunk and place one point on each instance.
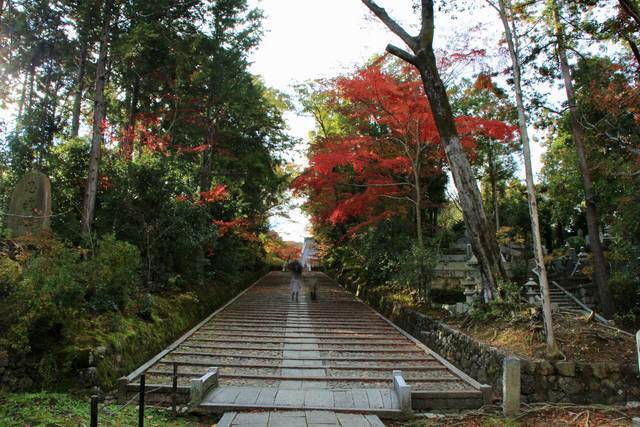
(600, 276)
(494, 188)
(23, 95)
(483, 239)
(128, 142)
(207, 161)
(88, 208)
(77, 101)
(32, 78)
(552, 348)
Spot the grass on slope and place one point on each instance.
(54, 409)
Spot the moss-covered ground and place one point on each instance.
(55, 409)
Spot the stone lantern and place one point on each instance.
(532, 291)
(470, 292)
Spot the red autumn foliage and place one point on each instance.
(364, 174)
(217, 194)
(225, 227)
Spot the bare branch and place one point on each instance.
(405, 198)
(402, 54)
(390, 23)
(391, 184)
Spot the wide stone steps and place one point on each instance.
(335, 354)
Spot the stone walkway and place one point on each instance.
(330, 357)
(298, 419)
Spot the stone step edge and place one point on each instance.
(224, 407)
(368, 379)
(432, 394)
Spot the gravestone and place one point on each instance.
(30, 206)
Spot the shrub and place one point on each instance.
(111, 274)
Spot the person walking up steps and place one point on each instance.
(296, 279)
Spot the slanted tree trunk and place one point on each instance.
(483, 239)
(600, 276)
(631, 8)
(89, 204)
(552, 347)
(77, 101)
(634, 48)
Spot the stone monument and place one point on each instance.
(30, 206)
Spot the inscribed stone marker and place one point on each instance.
(30, 206)
(638, 348)
(510, 386)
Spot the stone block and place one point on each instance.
(403, 390)
(570, 386)
(599, 370)
(545, 368)
(510, 386)
(566, 369)
(201, 386)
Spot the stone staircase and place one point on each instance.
(265, 353)
(564, 302)
(453, 268)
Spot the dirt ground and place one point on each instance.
(538, 415)
(580, 340)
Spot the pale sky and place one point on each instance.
(310, 39)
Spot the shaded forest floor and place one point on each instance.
(521, 332)
(539, 415)
(580, 340)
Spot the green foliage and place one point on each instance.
(111, 274)
(60, 302)
(509, 306)
(54, 409)
(625, 287)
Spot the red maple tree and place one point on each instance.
(379, 166)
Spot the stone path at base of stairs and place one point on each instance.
(298, 419)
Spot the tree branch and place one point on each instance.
(390, 23)
(404, 198)
(402, 54)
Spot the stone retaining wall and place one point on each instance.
(541, 381)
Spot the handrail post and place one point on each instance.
(141, 402)
(94, 411)
(174, 389)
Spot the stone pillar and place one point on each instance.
(403, 390)
(638, 348)
(201, 386)
(510, 386)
